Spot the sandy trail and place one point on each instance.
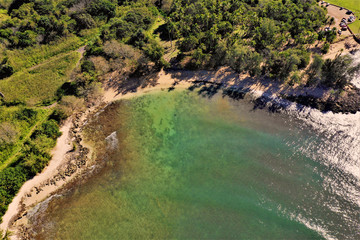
(61, 148)
(26, 197)
(166, 82)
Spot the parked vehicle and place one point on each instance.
(351, 19)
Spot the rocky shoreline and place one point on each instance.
(79, 161)
(349, 102)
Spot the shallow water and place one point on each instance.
(181, 166)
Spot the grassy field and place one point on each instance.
(353, 5)
(28, 57)
(15, 117)
(39, 84)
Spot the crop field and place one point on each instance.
(39, 84)
(353, 5)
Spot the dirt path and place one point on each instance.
(167, 81)
(62, 146)
(80, 50)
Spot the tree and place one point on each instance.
(6, 70)
(338, 72)
(8, 133)
(265, 33)
(49, 128)
(154, 51)
(325, 48)
(188, 43)
(280, 65)
(242, 60)
(314, 70)
(84, 20)
(102, 8)
(87, 66)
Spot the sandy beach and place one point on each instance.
(37, 189)
(29, 194)
(63, 145)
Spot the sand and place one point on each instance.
(27, 197)
(63, 145)
(167, 81)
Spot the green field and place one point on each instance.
(28, 57)
(18, 118)
(353, 5)
(35, 85)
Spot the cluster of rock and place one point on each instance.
(77, 158)
(345, 102)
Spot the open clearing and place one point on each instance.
(43, 80)
(353, 5)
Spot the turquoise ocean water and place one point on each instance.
(181, 166)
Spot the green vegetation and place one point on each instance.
(16, 123)
(34, 156)
(31, 56)
(37, 57)
(39, 84)
(39, 63)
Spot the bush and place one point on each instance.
(49, 128)
(6, 70)
(59, 115)
(27, 114)
(8, 133)
(84, 21)
(102, 8)
(339, 72)
(325, 48)
(87, 66)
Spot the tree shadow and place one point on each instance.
(125, 83)
(271, 95)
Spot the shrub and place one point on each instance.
(325, 48)
(6, 70)
(49, 128)
(8, 133)
(87, 66)
(338, 72)
(27, 114)
(102, 8)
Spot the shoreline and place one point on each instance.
(52, 179)
(15, 218)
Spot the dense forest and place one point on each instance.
(39, 41)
